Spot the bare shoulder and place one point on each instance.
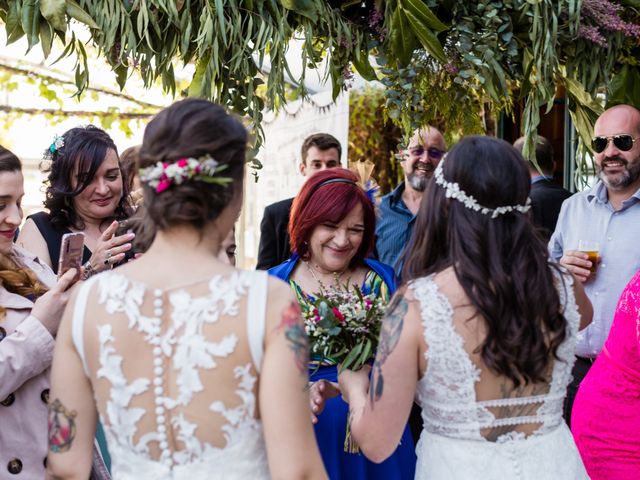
(279, 297)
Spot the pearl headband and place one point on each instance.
(453, 190)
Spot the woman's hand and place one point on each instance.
(319, 393)
(350, 381)
(110, 249)
(49, 307)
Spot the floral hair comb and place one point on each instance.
(56, 144)
(163, 174)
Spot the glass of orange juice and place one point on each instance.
(592, 249)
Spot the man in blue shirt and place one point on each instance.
(608, 213)
(398, 208)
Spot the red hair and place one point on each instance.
(321, 200)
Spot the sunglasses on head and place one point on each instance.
(433, 152)
(623, 142)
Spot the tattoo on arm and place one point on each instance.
(296, 335)
(62, 427)
(389, 336)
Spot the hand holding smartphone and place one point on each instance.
(71, 251)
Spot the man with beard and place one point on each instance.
(398, 211)
(608, 213)
(398, 208)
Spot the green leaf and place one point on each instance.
(46, 37)
(403, 40)
(121, 72)
(55, 13)
(306, 8)
(366, 353)
(351, 357)
(195, 88)
(76, 12)
(427, 38)
(363, 66)
(14, 28)
(30, 21)
(424, 15)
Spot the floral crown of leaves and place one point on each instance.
(56, 144)
(163, 175)
(453, 190)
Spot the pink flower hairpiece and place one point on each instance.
(163, 174)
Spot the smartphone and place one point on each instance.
(124, 227)
(71, 251)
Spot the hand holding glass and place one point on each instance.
(592, 249)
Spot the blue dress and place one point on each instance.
(332, 422)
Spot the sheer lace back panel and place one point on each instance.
(175, 373)
(460, 396)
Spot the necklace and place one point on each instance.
(336, 275)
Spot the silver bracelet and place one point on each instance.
(88, 270)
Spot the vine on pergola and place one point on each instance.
(439, 59)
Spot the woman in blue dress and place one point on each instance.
(331, 228)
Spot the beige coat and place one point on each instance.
(26, 350)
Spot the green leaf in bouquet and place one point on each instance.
(366, 353)
(338, 355)
(351, 357)
(333, 331)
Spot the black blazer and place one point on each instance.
(274, 236)
(546, 200)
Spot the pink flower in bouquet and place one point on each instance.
(182, 162)
(338, 314)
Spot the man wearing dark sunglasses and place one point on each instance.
(609, 214)
(398, 211)
(399, 207)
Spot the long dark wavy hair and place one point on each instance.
(83, 151)
(501, 263)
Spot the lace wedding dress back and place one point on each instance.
(175, 374)
(476, 425)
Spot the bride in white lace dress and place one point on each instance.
(482, 335)
(198, 370)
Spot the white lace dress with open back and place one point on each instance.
(175, 374)
(512, 436)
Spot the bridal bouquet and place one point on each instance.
(343, 325)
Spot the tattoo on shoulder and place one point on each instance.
(389, 336)
(62, 427)
(296, 335)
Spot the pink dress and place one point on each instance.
(606, 413)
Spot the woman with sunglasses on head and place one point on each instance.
(331, 229)
(85, 193)
(196, 369)
(31, 305)
(482, 334)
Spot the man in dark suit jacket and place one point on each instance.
(546, 195)
(319, 152)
